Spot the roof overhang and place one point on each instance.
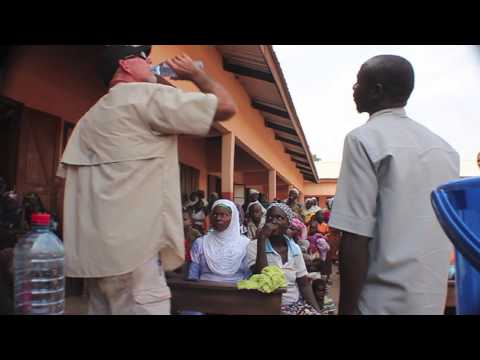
(258, 69)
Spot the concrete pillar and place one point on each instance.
(272, 185)
(228, 156)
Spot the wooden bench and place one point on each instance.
(221, 298)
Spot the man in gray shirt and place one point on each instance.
(394, 256)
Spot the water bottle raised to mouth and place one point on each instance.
(164, 70)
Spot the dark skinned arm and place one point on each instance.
(261, 261)
(263, 235)
(306, 291)
(353, 271)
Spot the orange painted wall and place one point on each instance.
(247, 163)
(214, 156)
(256, 178)
(261, 188)
(63, 81)
(322, 201)
(60, 80)
(282, 192)
(192, 151)
(238, 178)
(324, 188)
(248, 125)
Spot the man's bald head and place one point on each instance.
(394, 72)
(384, 81)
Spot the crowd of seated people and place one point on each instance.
(226, 242)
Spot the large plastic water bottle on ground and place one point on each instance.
(39, 276)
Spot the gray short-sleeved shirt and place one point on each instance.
(390, 166)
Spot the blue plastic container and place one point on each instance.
(457, 206)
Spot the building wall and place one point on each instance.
(192, 151)
(322, 201)
(248, 125)
(282, 192)
(63, 81)
(214, 155)
(324, 188)
(256, 178)
(59, 80)
(238, 178)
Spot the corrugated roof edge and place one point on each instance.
(275, 68)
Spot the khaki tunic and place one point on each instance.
(122, 192)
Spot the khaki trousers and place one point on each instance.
(143, 291)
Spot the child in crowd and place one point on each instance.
(322, 226)
(317, 242)
(298, 232)
(190, 234)
(320, 289)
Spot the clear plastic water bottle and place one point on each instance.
(39, 276)
(165, 70)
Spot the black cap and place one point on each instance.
(113, 53)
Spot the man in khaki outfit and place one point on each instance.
(122, 213)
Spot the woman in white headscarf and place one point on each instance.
(220, 255)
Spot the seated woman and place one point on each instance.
(256, 218)
(220, 255)
(273, 247)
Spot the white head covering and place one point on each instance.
(224, 251)
(254, 191)
(330, 203)
(264, 211)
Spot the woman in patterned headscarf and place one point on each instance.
(273, 247)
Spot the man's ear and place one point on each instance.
(123, 64)
(378, 91)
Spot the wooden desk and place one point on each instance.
(221, 298)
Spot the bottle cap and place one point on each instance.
(41, 219)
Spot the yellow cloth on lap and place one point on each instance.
(271, 278)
